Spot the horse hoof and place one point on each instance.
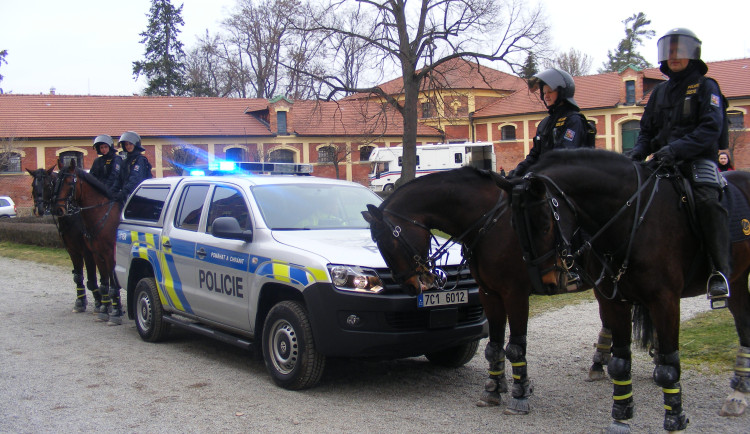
(517, 407)
(596, 376)
(114, 320)
(734, 405)
(102, 317)
(617, 427)
(79, 306)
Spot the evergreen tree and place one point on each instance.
(3, 53)
(626, 54)
(529, 67)
(164, 58)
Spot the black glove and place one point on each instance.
(666, 156)
(511, 174)
(635, 156)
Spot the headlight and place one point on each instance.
(354, 278)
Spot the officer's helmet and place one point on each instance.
(556, 79)
(107, 140)
(132, 137)
(681, 43)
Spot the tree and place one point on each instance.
(573, 62)
(419, 37)
(163, 65)
(529, 67)
(626, 54)
(207, 70)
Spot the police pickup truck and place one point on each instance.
(285, 266)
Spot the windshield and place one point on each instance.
(303, 207)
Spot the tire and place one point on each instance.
(149, 312)
(388, 188)
(289, 348)
(454, 357)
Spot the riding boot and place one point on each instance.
(715, 223)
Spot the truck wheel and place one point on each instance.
(454, 357)
(289, 349)
(148, 311)
(388, 188)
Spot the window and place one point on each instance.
(228, 202)
(399, 161)
(458, 158)
(508, 132)
(364, 152)
(235, 154)
(282, 156)
(281, 122)
(191, 206)
(147, 203)
(326, 154)
(630, 92)
(630, 130)
(10, 162)
(736, 120)
(67, 156)
(426, 110)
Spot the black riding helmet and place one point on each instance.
(684, 44)
(132, 137)
(104, 138)
(556, 79)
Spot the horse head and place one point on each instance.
(404, 246)
(42, 186)
(65, 191)
(544, 218)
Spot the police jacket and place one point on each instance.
(135, 169)
(106, 169)
(562, 129)
(684, 113)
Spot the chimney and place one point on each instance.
(52, 90)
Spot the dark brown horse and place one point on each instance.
(629, 228)
(468, 205)
(79, 193)
(70, 229)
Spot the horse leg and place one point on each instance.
(739, 304)
(80, 304)
(91, 284)
(115, 312)
(496, 383)
(616, 317)
(516, 353)
(602, 354)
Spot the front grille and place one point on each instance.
(465, 281)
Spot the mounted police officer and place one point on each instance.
(106, 167)
(681, 125)
(135, 168)
(565, 127)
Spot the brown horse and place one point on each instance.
(627, 228)
(467, 204)
(79, 193)
(70, 229)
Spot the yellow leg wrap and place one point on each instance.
(621, 397)
(497, 372)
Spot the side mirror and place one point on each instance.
(229, 228)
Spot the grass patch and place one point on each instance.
(44, 255)
(539, 304)
(708, 342)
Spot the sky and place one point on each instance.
(87, 47)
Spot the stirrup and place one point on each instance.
(717, 301)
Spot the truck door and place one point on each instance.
(221, 266)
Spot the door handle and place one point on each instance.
(201, 253)
(167, 244)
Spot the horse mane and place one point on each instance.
(90, 179)
(452, 176)
(596, 158)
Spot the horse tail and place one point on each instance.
(643, 327)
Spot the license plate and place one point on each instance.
(443, 298)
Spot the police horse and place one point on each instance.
(78, 193)
(468, 205)
(70, 229)
(628, 228)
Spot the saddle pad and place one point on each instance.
(739, 213)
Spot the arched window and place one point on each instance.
(630, 130)
(508, 132)
(326, 154)
(67, 156)
(282, 156)
(10, 162)
(235, 154)
(364, 152)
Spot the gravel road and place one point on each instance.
(64, 372)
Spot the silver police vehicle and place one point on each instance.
(282, 265)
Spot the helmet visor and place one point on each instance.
(678, 47)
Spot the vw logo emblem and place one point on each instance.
(440, 277)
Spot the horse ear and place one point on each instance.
(536, 186)
(372, 214)
(31, 172)
(49, 171)
(503, 183)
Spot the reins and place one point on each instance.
(73, 207)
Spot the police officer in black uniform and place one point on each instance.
(106, 167)
(681, 125)
(564, 128)
(135, 168)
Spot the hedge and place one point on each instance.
(30, 230)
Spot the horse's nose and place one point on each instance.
(59, 211)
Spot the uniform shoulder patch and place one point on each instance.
(569, 135)
(715, 100)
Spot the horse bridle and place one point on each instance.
(47, 187)
(72, 206)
